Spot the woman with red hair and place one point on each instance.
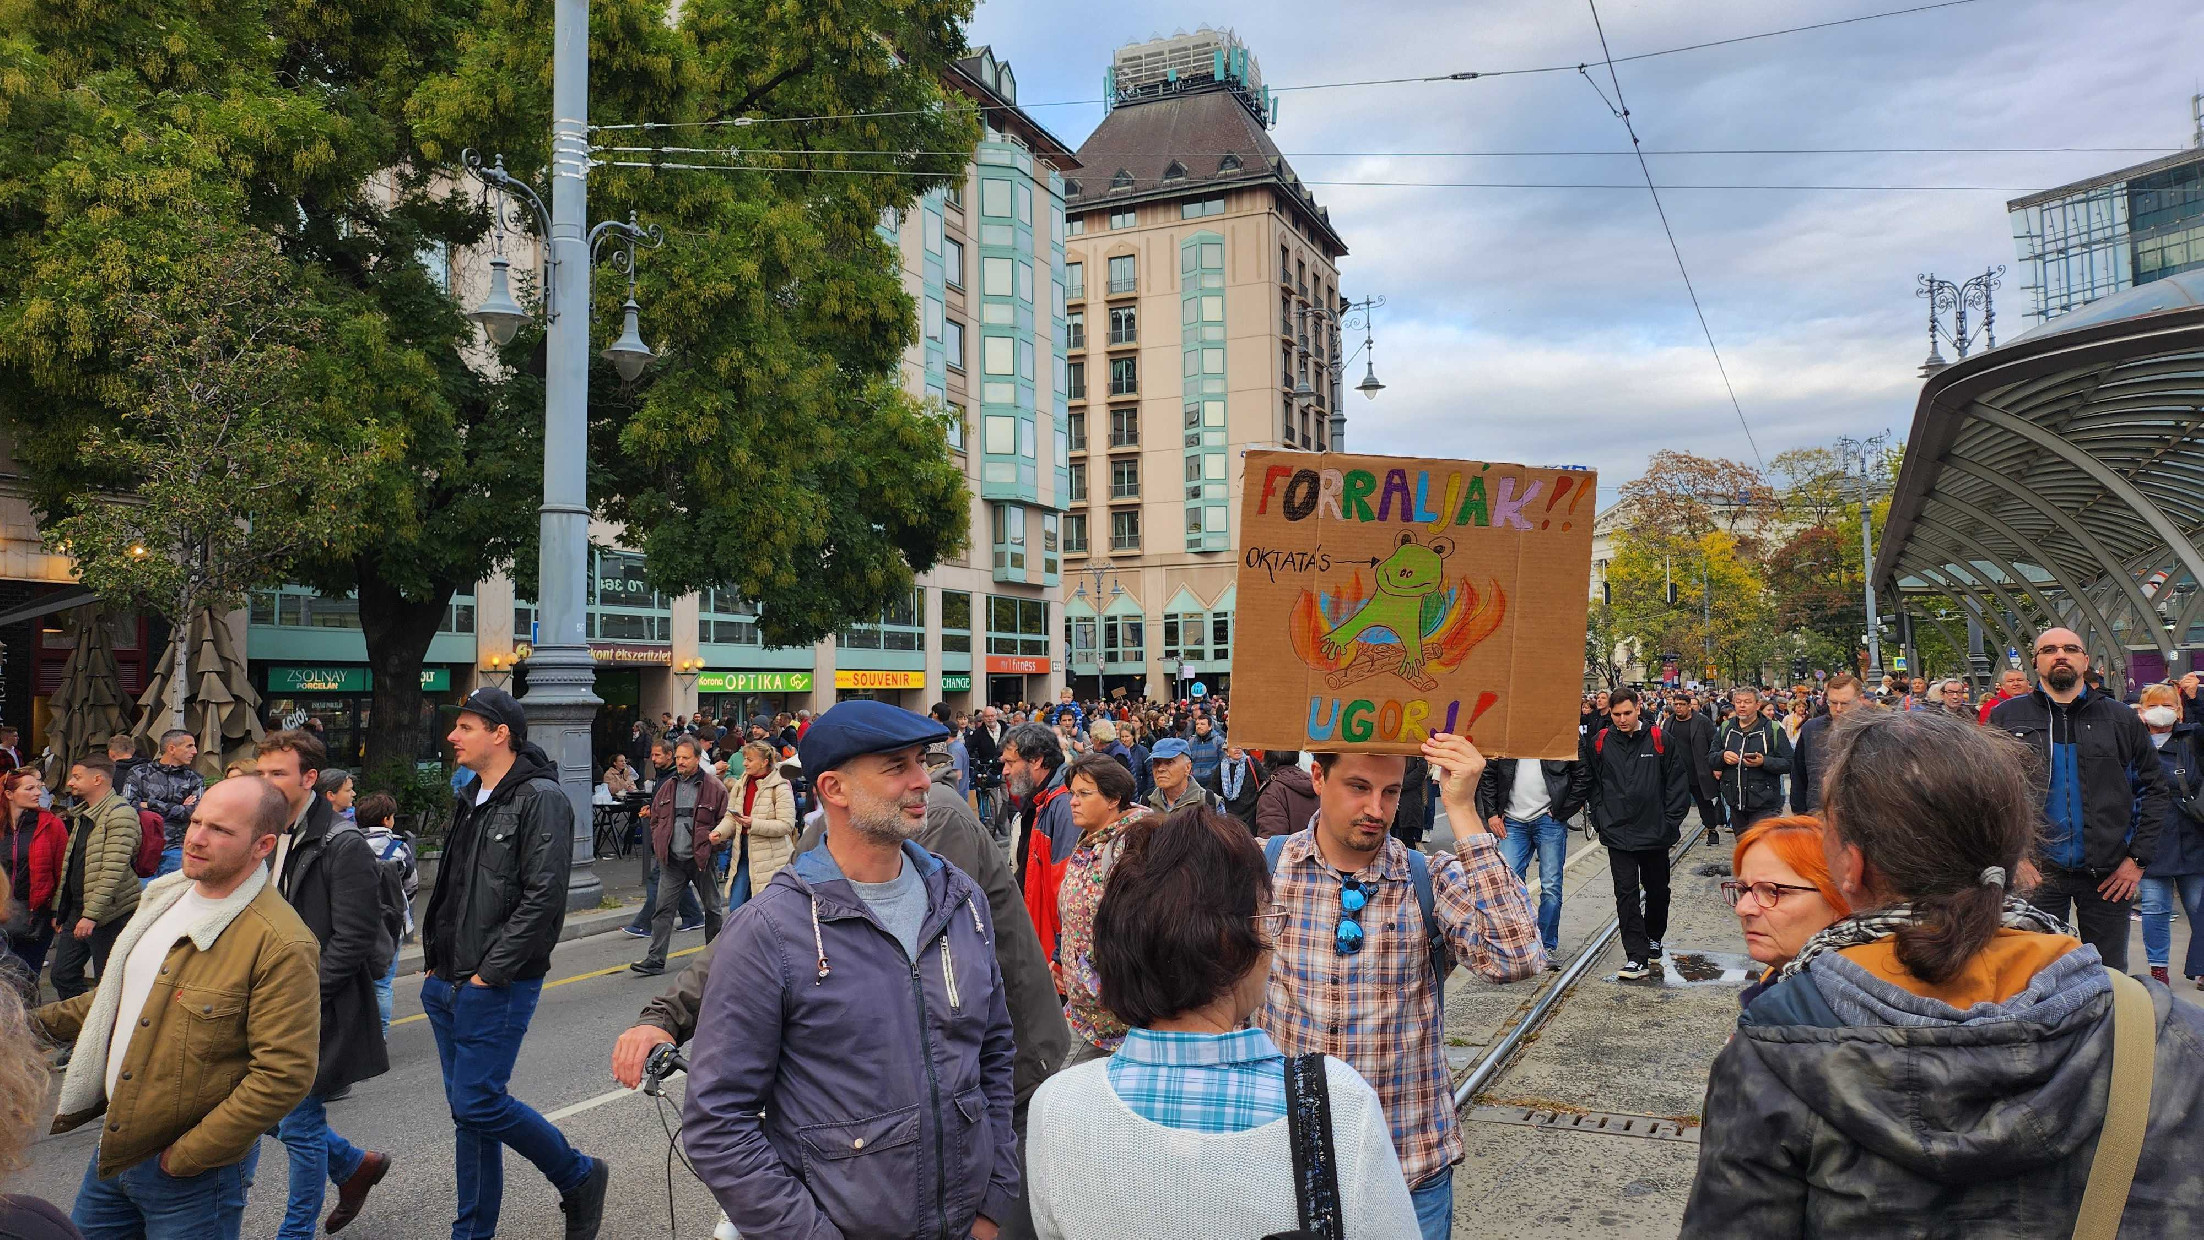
(32, 842)
(1782, 891)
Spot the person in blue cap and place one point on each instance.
(852, 1069)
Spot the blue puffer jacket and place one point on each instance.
(840, 1089)
(2180, 848)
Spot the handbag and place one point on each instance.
(2127, 1110)
(1315, 1170)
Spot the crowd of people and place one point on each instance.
(1093, 970)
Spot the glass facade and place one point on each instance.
(2075, 248)
(1202, 344)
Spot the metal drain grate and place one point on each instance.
(1649, 1127)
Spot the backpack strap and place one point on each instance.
(1419, 876)
(2127, 1110)
(1315, 1165)
(1272, 847)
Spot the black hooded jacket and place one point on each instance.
(500, 897)
(330, 877)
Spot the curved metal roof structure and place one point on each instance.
(2059, 479)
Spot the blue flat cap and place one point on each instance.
(1168, 748)
(853, 729)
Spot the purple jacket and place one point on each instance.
(838, 1089)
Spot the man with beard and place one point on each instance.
(852, 1072)
(2104, 794)
(1044, 836)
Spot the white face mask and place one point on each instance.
(2161, 716)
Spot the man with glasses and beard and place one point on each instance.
(2104, 794)
(852, 1068)
(1371, 929)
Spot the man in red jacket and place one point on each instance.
(2011, 683)
(683, 812)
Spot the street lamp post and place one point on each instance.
(562, 702)
(1348, 316)
(1098, 573)
(1863, 450)
(1956, 299)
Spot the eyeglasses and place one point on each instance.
(2066, 649)
(1354, 896)
(1270, 923)
(1766, 895)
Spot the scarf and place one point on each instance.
(1235, 774)
(1861, 929)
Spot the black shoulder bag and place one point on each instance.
(1315, 1170)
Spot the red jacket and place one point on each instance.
(1044, 875)
(49, 848)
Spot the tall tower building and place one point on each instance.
(1183, 217)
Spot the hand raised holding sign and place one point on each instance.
(1460, 767)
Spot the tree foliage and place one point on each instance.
(771, 450)
(1721, 607)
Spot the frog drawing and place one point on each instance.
(1410, 602)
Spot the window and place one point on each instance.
(952, 262)
(953, 343)
(1075, 382)
(957, 415)
(1051, 529)
(933, 318)
(1024, 195)
(1301, 276)
(1017, 625)
(623, 607)
(1196, 210)
(1125, 217)
(956, 622)
(1124, 325)
(1009, 538)
(901, 625)
(1125, 479)
(995, 197)
(1125, 428)
(1184, 635)
(1220, 636)
(1001, 434)
(1285, 266)
(1285, 366)
(954, 196)
(1123, 275)
(1124, 376)
(1075, 225)
(1124, 638)
(1076, 424)
(1075, 533)
(1025, 282)
(1075, 329)
(999, 355)
(998, 277)
(1075, 281)
(933, 232)
(1077, 492)
(1026, 355)
(725, 618)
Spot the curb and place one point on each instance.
(578, 925)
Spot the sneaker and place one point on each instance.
(687, 926)
(641, 932)
(1653, 950)
(585, 1206)
(353, 1192)
(648, 968)
(1714, 835)
(1631, 971)
(2159, 975)
(1553, 963)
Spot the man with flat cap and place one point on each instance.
(851, 1074)
(486, 940)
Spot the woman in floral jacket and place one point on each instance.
(1102, 806)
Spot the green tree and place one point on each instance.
(1721, 609)
(238, 454)
(770, 451)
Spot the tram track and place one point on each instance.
(1530, 1018)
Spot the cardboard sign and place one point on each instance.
(1382, 599)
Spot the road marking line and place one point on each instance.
(578, 977)
(591, 1104)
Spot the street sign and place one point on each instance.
(753, 682)
(956, 682)
(1898, 663)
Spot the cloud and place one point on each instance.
(1550, 325)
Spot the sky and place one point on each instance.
(1551, 326)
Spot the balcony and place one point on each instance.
(1126, 287)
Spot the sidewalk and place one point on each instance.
(623, 888)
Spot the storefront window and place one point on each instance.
(956, 621)
(1017, 625)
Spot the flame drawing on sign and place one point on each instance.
(1450, 624)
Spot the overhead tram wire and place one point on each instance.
(1622, 111)
(1469, 75)
(1625, 154)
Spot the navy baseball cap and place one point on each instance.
(496, 706)
(1168, 748)
(853, 729)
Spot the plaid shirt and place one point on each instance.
(1201, 1082)
(1379, 1009)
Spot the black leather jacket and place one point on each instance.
(1568, 784)
(500, 896)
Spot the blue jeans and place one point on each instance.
(1551, 837)
(738, 893)
(172, 860)
(1434, 1202)
(146, 1203)
(478, 1032)
(319, 1157)
(383, 985)
(2154, 899)
(691, 912)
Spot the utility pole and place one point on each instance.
(1863, 450)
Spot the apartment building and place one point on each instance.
(1198, 275)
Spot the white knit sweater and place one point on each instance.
(1099, 1171)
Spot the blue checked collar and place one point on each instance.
(1176, 1049)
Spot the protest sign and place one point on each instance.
(1381, 599)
